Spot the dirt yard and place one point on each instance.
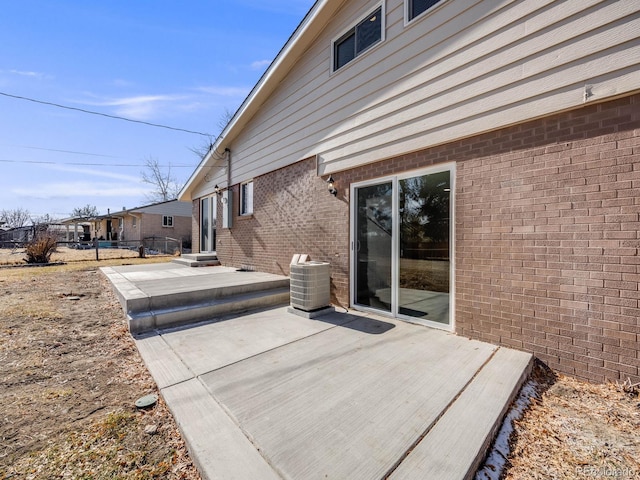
(69, 381)
(70, 375)
(65, 254)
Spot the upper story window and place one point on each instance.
(167, 221)
(358, 39)
(418, 7)
(246, 198)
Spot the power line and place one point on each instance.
(116, 117)
(85, 164)
(65, 151)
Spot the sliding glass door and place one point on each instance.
(402, 246)
(373, 246)
(208, 224)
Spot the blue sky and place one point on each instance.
(177, 63)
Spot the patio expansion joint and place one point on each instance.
(237, 423)
(421, 437)
(255, 355)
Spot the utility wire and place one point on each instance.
(66, 151)
(89, 164)
(102, 114)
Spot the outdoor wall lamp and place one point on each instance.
(331, 187)
(216, 190)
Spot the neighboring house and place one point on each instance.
(130, 227)
(17, 235)
(76, 230)
(164, 219)
(485, 161)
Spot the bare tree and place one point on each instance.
(165, 185)
(45, 219)
(202, 150)
(86, 212)
(15, 218)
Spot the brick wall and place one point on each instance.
(547, 241)
(151, 225)
(293, 213)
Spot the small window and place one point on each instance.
(134, 221)
(418, 7)
(246, 198)
(357, 40)
(167, 221)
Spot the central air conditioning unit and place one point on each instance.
(310, 285)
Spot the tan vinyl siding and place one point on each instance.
(462, 69)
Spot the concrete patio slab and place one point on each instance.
(269, 394)
(219, 449)
(343, 396)
(209, 346)
(347, 403)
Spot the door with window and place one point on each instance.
(208, 224)
(402, 246)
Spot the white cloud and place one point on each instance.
(225, 91)
(143, 106)
(260, 64)
(27, 74)
(154, 106)
(83, 182)
(81, 189)
(137, 107)
(95, 173)
(119, 82)
(288, 7)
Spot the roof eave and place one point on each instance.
(305, 33)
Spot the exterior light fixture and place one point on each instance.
(331, 187)
(216, 190)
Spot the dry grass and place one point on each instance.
(577, 430)
(65, 254)
(70, 376)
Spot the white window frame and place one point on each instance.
(167, 221)
(246, 205)
(407, 11)
(212, 206)
(343, 33)
(394, 179)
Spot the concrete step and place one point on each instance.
(165, 314)
(166, 295)
(179, 295)
(191, 300)
(456, 445)
(197, 260)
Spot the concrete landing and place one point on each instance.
(162, 295)
(197, 260)
(272, 395)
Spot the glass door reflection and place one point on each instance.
(373, 246)
(424, 247)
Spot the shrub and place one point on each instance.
(39, 249)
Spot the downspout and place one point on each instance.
(227, 198)
(228, 152)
